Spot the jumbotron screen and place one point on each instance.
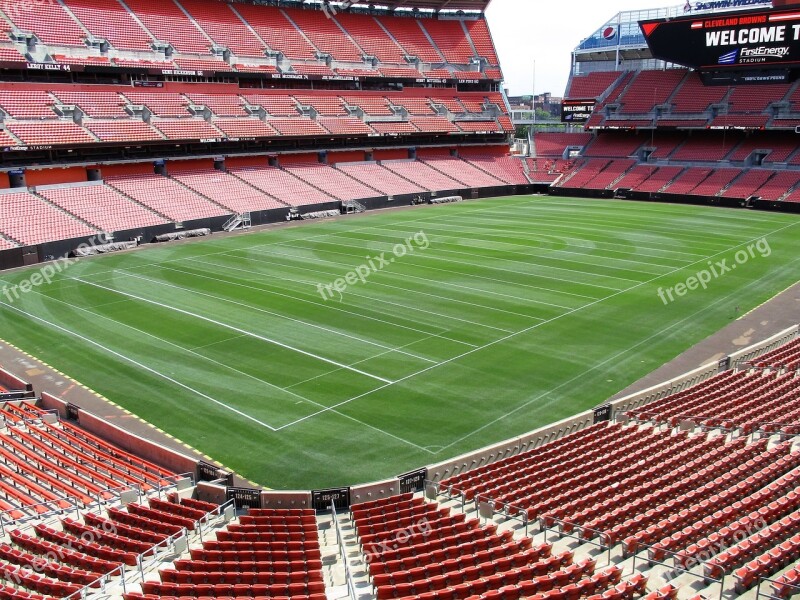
(768, 39)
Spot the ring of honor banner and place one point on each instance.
(760, 39)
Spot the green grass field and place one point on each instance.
(508, 314)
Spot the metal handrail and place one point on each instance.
(759, 594)
(351, 587)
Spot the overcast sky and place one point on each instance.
(547, 31)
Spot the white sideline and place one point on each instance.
(550, 250)
(321, 304)
(248, 375)
(139, 365)
(438, 283)
(269, 312)
(521, 233)
(501, 340)
(496, 268)
(236, 329)
(351, 292)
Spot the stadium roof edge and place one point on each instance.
(388, 5)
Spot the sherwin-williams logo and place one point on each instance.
(729, 58)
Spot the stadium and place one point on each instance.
(293, 305)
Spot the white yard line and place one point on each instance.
(237, 371)
(139, 365)
(529, 329)
(433, 281)
(597, 366)
(351, 292)
(236, 329)
(269, 312)
(326, 305)
(547, 251)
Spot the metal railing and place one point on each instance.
(544, 528)
(507, 511)
(795, 588)
(7, 519)
(676, 566)
(351, 588)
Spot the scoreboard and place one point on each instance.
(755, 40)
(576, 111)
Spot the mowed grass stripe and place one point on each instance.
(467, 314)
(489, 395)
(461, 254)
(237, 329)
(356, 312)
(636, 236)
(542, 269)
(635, 233)
(468, 300)
(500, 238)
(478, 246)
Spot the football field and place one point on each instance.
(339, 352)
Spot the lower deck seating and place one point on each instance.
(380, 178)
(463, 172)
(282, 185)
(103, 207)
(227, 191)
(166, 197)
(49, 467)
(456, 557)
(29, 220)
(423, 174)
(287, 564)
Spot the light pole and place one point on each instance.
(533, 92)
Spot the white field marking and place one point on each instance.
(236, 329)
(603, 363)
(140, 365)
(268, 312)
(432, 281)
(621, 231)
(237, 371)
(625, 216)
(531, 263)
(370, 299)
(211, 345)
(466, 234)
(659, 247)
(318, 304)
(594, 245)
(331, 372)
(538, 325)
(623, 206)
(533, 287)
(428, 217)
